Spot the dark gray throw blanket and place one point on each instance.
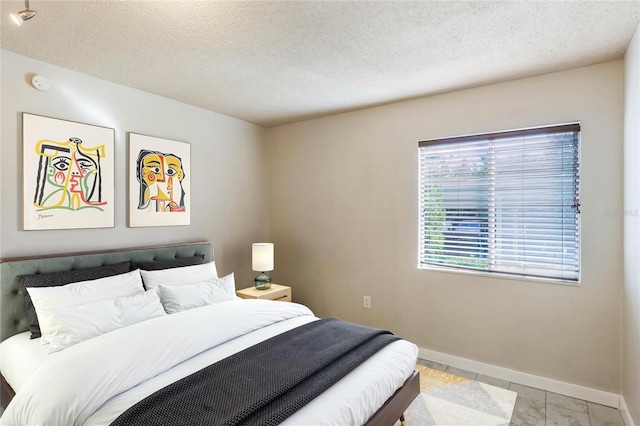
(263, 384)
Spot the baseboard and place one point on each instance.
(626, 415)
(576, 391)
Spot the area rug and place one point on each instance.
(447, 400)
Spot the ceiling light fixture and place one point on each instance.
(23, 15)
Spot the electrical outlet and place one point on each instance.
(367, 302)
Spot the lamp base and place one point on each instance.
(262, 282)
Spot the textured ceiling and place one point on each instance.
(278, 62)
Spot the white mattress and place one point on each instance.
(351, 401)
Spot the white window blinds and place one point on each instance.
(503, 202)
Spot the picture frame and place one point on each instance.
(68, 174)
(159, 181)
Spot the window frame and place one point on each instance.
(575, 126)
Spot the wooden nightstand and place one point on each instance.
(276, 292)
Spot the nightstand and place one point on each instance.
(276, 292)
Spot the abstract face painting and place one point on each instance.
(160, 176)
(68, 174)
(159, 181)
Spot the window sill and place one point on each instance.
(501, 275)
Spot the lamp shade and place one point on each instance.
(262, 257)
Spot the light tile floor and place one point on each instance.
(536, 407)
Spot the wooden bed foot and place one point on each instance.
(6, 392)
(402, 422)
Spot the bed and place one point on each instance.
(108, 374)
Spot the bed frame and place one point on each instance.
(13, 316)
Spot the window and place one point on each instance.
(503, 202)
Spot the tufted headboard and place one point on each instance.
(13, 316)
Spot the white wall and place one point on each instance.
(228, 156)
(344, 221)
(631, 341)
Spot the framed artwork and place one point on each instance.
(68, 174)
(159, 181)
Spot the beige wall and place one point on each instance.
(631, 327)
(343, 213)
(227, 158)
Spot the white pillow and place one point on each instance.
(180, 276)
(176, 298)
(84, 292)
(67, 326)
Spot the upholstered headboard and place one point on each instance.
(13, 316)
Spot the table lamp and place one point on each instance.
(262, 261)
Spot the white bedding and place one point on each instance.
(20, 357)
(109, 373)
